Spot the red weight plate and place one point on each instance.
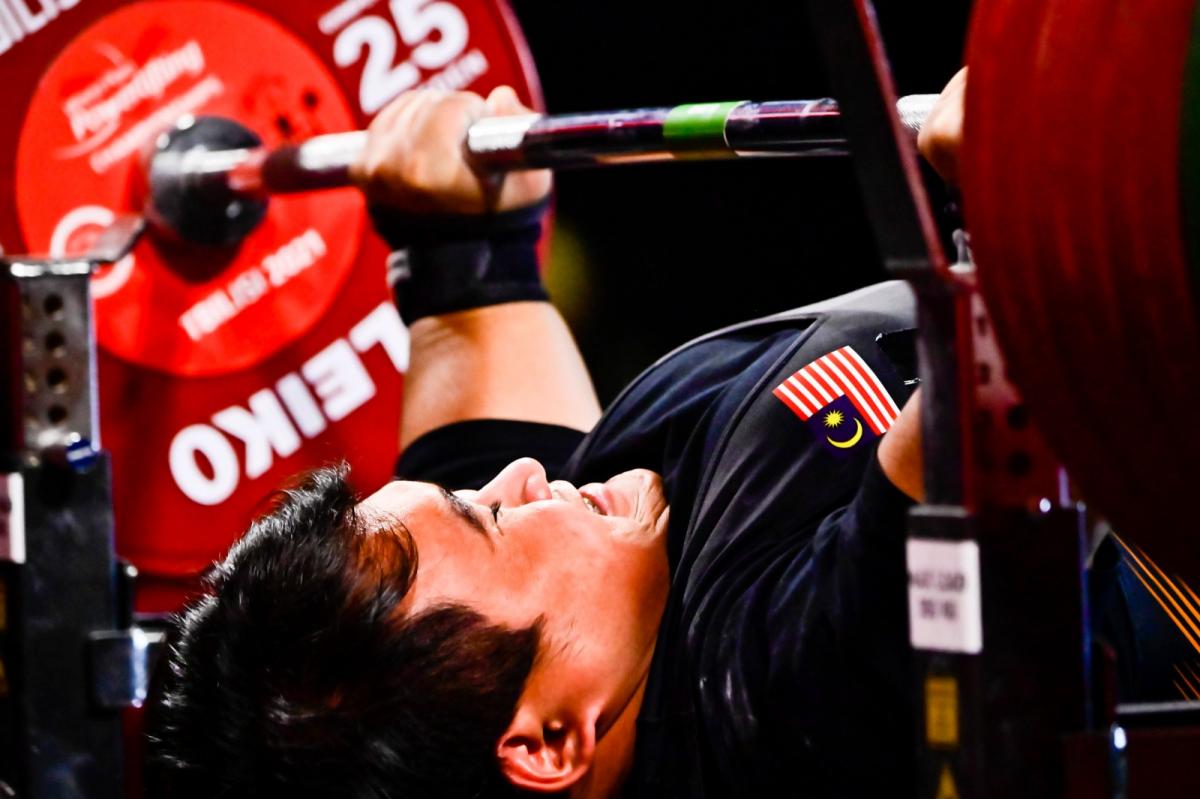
(220, 377)
(198, 312)
(1071, 182)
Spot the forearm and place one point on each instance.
(900, 451)
(516, 360)
(485, 344)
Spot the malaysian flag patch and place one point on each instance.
(840, 399)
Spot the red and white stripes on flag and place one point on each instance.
(840, 373)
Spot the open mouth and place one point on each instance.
(597, 499)
(592, 506)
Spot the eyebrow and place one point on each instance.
(464, 511)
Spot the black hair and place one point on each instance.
(299, 674)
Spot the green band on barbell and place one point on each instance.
(698, 126)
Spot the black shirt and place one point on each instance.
(782, 662)
(786, 555)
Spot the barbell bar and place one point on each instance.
(186, 172)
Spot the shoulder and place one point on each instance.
(885, 306)
(866, 317)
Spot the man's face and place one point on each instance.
(590, 560)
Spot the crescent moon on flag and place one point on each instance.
(850, 442)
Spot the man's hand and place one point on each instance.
(520, 356)
(900, 453)
(941, 134)
(415, 162)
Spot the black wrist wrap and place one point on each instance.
(443, 264)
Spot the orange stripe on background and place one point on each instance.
(1191, 593)
(1193, 692)
(1157, 598)
(1174, 586)
(1190, 611)
(1192, 672)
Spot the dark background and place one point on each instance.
(646, 257)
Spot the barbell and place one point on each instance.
(209, 178)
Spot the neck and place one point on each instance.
(614, 753)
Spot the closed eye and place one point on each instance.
(466, 512)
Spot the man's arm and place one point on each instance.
(939, 141)
(941, 133)
(899, 452)
(511, 360)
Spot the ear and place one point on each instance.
(543, 755)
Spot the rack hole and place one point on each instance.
(56, 378)
(57, 414)
(55, 342)
(53, 304)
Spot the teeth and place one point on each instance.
(592, 506)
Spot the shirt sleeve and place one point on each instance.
(469, 454)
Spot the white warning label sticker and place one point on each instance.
(12, 517)
(944, 606)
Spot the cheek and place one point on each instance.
(549, 552)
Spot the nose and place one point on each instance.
(523, 480)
